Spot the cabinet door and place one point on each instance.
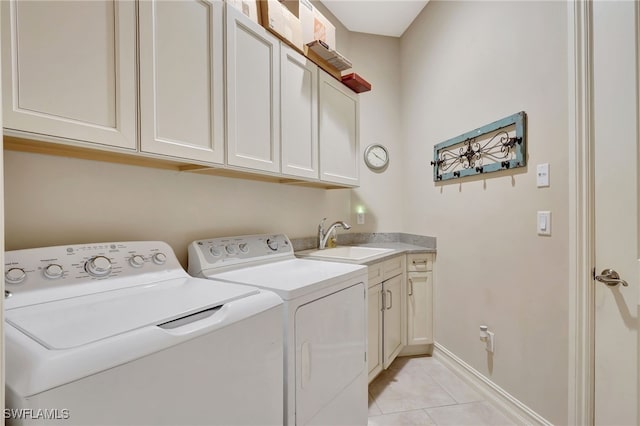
(298, 114)
(338, 132)
(181, 79)
(69, 70)
(419, 308)
(253, 94)
(392, 319)
(374, 347)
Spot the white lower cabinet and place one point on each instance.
(386, 313)
(181, 79)
(69, 70)
(419, 308)
(419, 290)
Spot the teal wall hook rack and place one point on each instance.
(500, 145)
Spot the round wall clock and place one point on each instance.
(376, 157)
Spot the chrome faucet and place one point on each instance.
(323, 237)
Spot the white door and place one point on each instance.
(419, 308)
(330, 339)
(392, 319)
(69, 69)
(253, 94)
(299, 114)
(374, 329)
(181, 79)
(615, 127)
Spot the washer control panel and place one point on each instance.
(235, 251)
(45, 269)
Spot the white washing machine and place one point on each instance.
(325, 331)
(119, 333)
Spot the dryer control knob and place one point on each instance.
(15, 276)
(243, 247)
(159, 258)
(53, 271)
(273, 244)
(215, 251)
(98, 266)
(137, 261)
(230, 249)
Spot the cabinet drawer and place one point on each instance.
(393, 267)
(375, 274)
(419, 262)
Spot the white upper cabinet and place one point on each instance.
(69, 70)
(298, 114)
(338, 132)
(181, 79)
(253, 95)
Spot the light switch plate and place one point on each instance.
(542, 175)
(360, 218)
(544, 223)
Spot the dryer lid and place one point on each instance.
(78, 321)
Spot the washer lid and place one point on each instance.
(81, 320)
(292, 278)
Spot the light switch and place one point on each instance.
(542, 175)
(544, 223)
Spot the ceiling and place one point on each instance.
(383, 17)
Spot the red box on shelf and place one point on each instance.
(356, 83)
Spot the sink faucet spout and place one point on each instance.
(324, 236)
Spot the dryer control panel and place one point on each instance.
(51, 273)
(229, 252)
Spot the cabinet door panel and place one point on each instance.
(374, 347)
(299, 114)
(69, 69)
(338, 132)
(253, 95)
(392, 319)
(420, 308)
(181, 84)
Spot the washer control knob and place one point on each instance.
(244, 248)
(53, 271)
(215, 251)
(98, 266)
(15, 276)
(137, 261)
(230, 249)
(159, 258)
(273, 244)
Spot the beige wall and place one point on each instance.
(464, 65)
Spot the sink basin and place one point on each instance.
(349, 253)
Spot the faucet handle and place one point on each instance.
(321, 225)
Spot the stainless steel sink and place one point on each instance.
(347, 253)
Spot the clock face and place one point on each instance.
(376, 157)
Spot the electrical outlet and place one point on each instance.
(542, 175)
(360, 218)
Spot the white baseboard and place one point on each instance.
(507, 403)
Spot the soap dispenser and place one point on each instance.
(333, 239)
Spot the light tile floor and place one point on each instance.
(422, 391)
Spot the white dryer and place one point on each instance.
(325, 322)
(119, 333)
